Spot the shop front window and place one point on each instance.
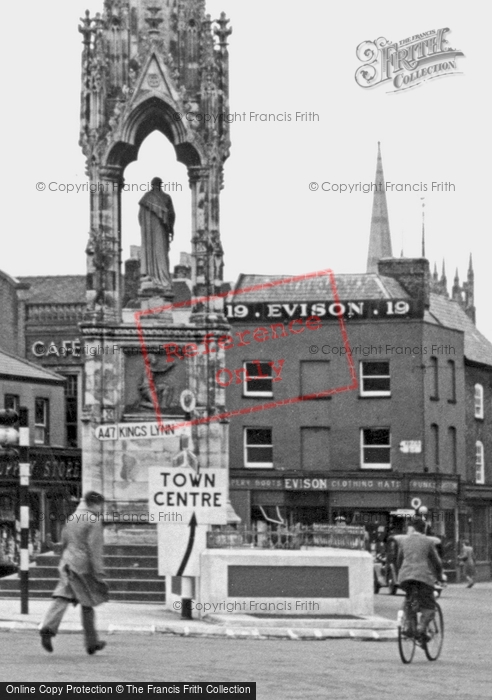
(375, 448)
(479, 533)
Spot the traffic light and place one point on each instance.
(9, 423)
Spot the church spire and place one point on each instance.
(469, 289)
(456, 291)
(380, 237)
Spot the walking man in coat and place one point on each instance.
(419, 568)
(81, 573)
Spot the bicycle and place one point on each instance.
(430, 641)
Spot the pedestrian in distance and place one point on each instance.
(467, 558)
(81, 573)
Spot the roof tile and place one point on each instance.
(18, 367)
(448, 313)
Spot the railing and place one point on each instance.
(296, 537)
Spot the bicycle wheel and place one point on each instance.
(406, 638)
(435, 631)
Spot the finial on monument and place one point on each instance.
(222, 31)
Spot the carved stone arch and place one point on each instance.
(153, 114)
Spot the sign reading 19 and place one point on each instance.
(236, 311)
(397, 307)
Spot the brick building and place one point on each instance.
(404, 428)
(55, 469)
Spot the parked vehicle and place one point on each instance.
(385, 574)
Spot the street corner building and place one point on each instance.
(55, 461)
(370, 417)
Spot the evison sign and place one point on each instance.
(185, 492)
(375, 309)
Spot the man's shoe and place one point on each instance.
(96, 647)
(471, 584)
(46, 639)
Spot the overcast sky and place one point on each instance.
(285, 57)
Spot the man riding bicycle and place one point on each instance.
(419, 567)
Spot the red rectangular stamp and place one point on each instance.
(263, 318)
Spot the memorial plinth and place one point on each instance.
(319, 581)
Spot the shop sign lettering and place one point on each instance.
(139, 431)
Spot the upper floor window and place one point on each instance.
(478, 401)
(435, 444)
(434, 378)
(452, 381)
(257, 379)
(452, 449)
(71, 409)
(41, 421)
(375, 448)
(479, 463)
(375, 379)
(258, 447)
(12, 402)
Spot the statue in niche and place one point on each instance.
(164, 389)
(156, 218)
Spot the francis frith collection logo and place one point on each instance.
(406, 63)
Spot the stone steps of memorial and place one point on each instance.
(131, 574)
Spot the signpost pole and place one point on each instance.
(186, 597)
(24, 508)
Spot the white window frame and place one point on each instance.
(245, 383)
(16, 401)
(362, 376)
(371, 465)
(479, 463)
(43, 426)
(256, 465)
(479, 413)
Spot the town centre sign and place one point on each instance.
(187, 492)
